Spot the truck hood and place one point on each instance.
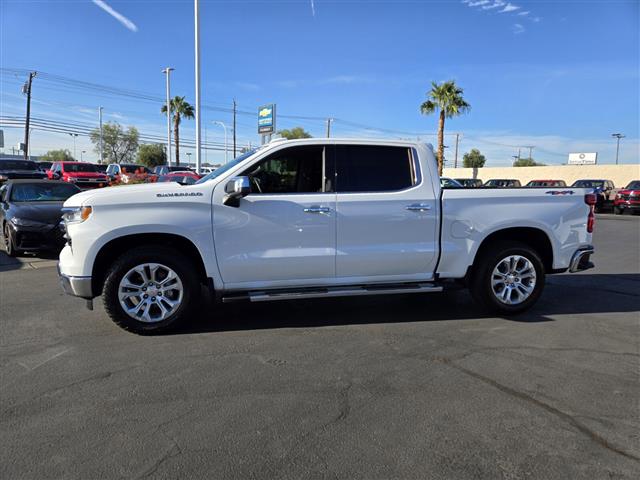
(139, 193)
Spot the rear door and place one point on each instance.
(386, 215)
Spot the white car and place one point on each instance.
(317, 218)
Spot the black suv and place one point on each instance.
(15, 169)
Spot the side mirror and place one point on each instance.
(235, 189)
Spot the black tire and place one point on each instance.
(617, 211)
(183, 268)
(9, 242)
(480, 281)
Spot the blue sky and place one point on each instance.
(559, 75)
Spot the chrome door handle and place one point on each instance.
(419, 207)
(315, 209)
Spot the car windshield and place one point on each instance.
(134, 168)
(80, 167)
(499, 183)
(634, 185)
(224, 168)
(588, 184)
(42, 192)
(18, 165)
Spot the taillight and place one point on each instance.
(591, 199)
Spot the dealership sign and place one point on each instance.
(267, 119)
(583, 158)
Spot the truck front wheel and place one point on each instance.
(508, 278)
(150, 289)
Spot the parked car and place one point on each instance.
(604, 189)
(502, 183)
(265, 227)
(45, 166)
(546, 183)
(183, 178)
(101, 167)
(10, 169)
(82, 174)
(449, 183)
(628, 199)
(31, 214)
(165, 169)
(469, 182)
(114, 170)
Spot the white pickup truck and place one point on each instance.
(317, 218)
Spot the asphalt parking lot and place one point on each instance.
(386, 387)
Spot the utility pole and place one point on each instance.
(329, 120)
(196, 14)
(530, 147)
(167, 71)
(74, 135)
(618, 136)
(234, 128)
(455, 162)
(100, 119)
(26, 89)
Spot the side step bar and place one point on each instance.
(346, 291)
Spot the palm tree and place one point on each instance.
(179, 108)
(447, 99)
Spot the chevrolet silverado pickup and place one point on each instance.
(317, 218)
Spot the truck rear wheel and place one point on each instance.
(150, 290)
(508, 278)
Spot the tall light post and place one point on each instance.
(196, 14)
(618, 136)
(82, 155)
(189, 157)
(216, 122)
(100, 119)
(74, 135)
(167, 71)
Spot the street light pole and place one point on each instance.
(196, 14)
(82, 155)
(100, 117)
(167, 71)
(225, 138)
(74, 135)
(618, 136)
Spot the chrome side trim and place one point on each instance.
(580, 259)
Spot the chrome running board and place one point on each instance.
(326, 292)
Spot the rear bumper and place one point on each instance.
(76, 286)
(581, 259)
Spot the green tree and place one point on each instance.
(527, 162)
(118, 145)
(445, 98)
(61, 155)
(473, 159)
(152, 155)
(180, 108)
(296, 132)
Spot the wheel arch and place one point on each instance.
(110, 251)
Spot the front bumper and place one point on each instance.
(627, 205)
(581, 260)
(76, 286)
(38, 238)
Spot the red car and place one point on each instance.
(183, 178)
(628, 198)
(83, 175)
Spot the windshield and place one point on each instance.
(224, 168)
(133, 168)
(80, 167)
(634, 185)
(588, 184)
(499, 183)
(18, 165)
(42, 192)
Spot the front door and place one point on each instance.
(284, 232)
(386, 215)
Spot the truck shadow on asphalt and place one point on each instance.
(23, 260)
(563, 295)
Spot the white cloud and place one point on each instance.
(509, 7)
(536, 19)
(517, 28)
(478, 3)
(313, 9)
(522, 14)
(118, 16)
(496, 4)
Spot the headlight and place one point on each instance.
(3, 178)
(76, 214)
(23, 222)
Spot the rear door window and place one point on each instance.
(374, 168)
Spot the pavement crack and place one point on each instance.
(545, 406)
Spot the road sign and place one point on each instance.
(267, 119)
(583, 158)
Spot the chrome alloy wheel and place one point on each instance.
(150, 292)
(513, 280)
